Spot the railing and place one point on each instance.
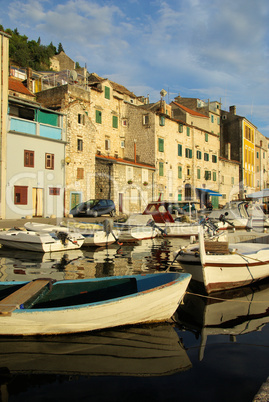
(34, 128)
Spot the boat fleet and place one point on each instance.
(216, 259)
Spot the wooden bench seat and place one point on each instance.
(216, 247)
(20, 296)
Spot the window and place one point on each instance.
(232, 180)
(122, 144)
(115, 121)
(214, 158)
(214, 176)
(145, 119)
(162, 120)
(179, 175)
(198, 154)
(161, 144)
(98, 116)
(54, 191)
(107, 144)
(198, 173)
(207, 175)
(80, 173)
(179, 150)
(124, 123)
(49, 161)
(180, 128)
(188, 171)
(206, 157)
(257, 154)
(212, 118)
(79, 144)
(188, 131)
(81, 118)
(160, 168)
(206, 137)
(29, 158)
(20, 195)
(188, 153)
(107, 92)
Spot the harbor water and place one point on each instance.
(214, 349)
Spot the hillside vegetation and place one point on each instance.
(25, 53)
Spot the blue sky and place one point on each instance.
(209, 49)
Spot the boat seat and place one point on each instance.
(216, 247)
(21, 295)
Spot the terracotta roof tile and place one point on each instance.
(190, 111)
(17, 86)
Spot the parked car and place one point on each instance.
(94, 208)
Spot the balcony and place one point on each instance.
(16, 124)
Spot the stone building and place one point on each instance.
(79, 160)
(62, 62)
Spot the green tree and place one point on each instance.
(60, 48)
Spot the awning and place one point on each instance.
(209, 192)
(259, 194)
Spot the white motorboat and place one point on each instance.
(41, 241)
(94, 235)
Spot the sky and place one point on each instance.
(206, 49)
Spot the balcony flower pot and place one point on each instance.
(130, 181)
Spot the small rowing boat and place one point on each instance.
(44, 307)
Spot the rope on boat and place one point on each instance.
(228, 300)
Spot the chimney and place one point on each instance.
(29, 79)
(232, 109)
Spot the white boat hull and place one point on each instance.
(154, 305)
(244, 264)
(40, 242)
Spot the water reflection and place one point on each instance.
(231, 313)
(144, 256)
(138, 361)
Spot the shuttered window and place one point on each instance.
(98, 116)
(20, 195)
(29, 158)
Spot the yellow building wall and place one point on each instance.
(248, 154)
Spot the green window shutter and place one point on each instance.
(188, 131)
(162, 120)
(180, 172)
(199, 155)
(179, 149)
(198, 173)
(107, 92)
(214, 158)
(161, 144)
(206, 137)
(180, 128)
(160, 168)
(214, 176)
(98, 116)
(115, 121)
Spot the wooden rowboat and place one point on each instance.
(41, 307)
(220, 265)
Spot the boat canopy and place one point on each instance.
(259, 194)
(209, 192)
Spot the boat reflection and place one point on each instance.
(232, 313)
(135, 351)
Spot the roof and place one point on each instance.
(126, 162)
(190, 111)
(17, 86)
(95, 79)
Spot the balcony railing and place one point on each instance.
(34, 128)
